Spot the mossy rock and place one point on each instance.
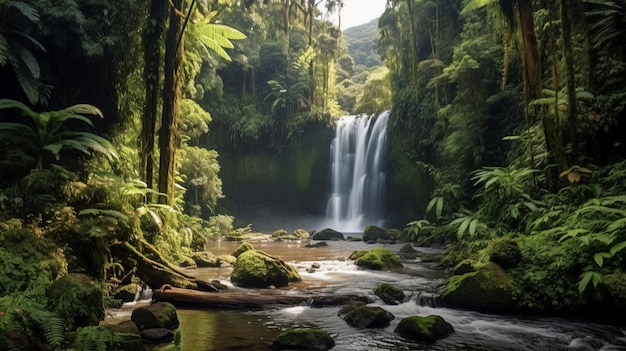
(424, 329)
(303, 339)
(280, 233)
(301, 234)
(390, 294)
(229, 259)
(127, 293)
(187, 262)
(489, 289)
(355, 255)
(156, 315)
(257, 269)
(504, 252)
(328, 234)
(206, 259)
(407, 251)
(465, 266)
(77, 299)
(374, 233)
(349, 307)
(245, 246)
(379, 259)
(368, 317)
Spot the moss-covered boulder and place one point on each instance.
(77, 299)
(465, 266)
(127, 336)
(280, 233)
(424, 329)
(379, 259)
(227, 259)
(374, 233)
(349, 307)
(355, 255)
(301, 234)
(206, 259)
(504, 252)
(243, 248)
(303, 339)
(368, 317)
(328, 234)
(407, 251)
(127, 293)
(489, 289)
(390, 294)
(257, 269)
(156, 315)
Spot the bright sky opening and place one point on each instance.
(356, 12)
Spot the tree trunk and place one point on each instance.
(152, 73)
(150, 271)
(168, 138)
(572, 111)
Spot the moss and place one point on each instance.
(379, 259)
(355, 255)
(156, 315)
(280, 233)
(303, 339)
(374, 233)
(368, 317)
(258, 269)
(390, 294)
(488, 289)
(243, 248)
(427, 329)
(504, 252)
(76, 299)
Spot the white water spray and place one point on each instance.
(358, 155)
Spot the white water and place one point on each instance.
(358, 155)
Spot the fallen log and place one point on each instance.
(232, 300)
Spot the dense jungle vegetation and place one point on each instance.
(506, 133)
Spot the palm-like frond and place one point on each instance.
(215, 37)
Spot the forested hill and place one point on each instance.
(360, 42)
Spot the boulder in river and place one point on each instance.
(156, 315)
(489, 289)
(255, 268)
(425, 329)
(390, 294)
(373, 233)
(328, 234)
(368, 317)
(303, 339)
(379, 258)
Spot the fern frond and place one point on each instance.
(25, 9)
(50, 324)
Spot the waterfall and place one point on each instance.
(358, 155)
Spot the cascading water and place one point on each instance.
(358, 155)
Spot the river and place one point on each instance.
(217, 329)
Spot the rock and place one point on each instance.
(127, 327)
(242, 248)
(349, 307)
(425, 329)
(407, 251)
(228, 259)
(373, 233)
(157, 335)
(256, 268)
(465, 266)
(280, 233)
(188, 262)
(206, 259)
(156, 315)
(379, 258)
(355, 255)
(76, 299)
(328, 234)
(127, 293)
(504, 252)
(219, 285)
(303, 339)
(301, 234)
(318, 244)
(368, 317)
(390, 294)
(489, 289)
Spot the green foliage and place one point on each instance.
(47, 132)
(201, 174)
(215, 37)
(94, 338)
(26, 318)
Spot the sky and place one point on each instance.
(357, 12)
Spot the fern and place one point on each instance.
(50, 324)
(96, 338)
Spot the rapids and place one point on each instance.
(216, 329)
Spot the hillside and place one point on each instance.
(360, 43)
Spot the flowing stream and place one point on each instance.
(220, 329)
